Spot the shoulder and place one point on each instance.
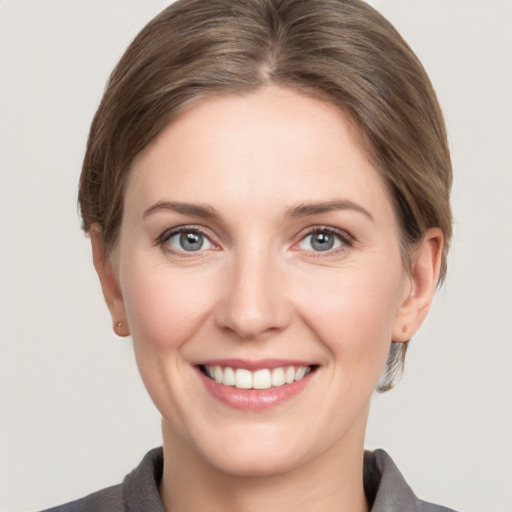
(138, 491)
(387, 489)
(109, 499)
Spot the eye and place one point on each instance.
(186, 240)
(323, 240)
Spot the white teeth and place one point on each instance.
(259, 379)
(243, 379)
(278, 377)
(301, 372)
(229, 377)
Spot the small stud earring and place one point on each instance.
(119, 325)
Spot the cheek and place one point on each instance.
(165, 309)
(352, 312)
(164, 306)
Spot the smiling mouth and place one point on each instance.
(265, 378)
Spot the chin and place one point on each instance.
(256, 464)
(256, 453)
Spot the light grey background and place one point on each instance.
(74, 416)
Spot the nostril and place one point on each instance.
(252, 317)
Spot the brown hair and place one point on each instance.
(341, 51)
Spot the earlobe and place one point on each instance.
(423, 279)
(109, 282)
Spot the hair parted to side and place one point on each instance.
(341, 51)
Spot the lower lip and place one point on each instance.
(253, 399)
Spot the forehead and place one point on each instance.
(271, 144)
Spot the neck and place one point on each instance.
(330, 482)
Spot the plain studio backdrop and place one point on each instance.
(74, 415)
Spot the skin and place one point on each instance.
(259, 289)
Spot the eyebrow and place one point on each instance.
(197, 210)
(316, 208)
(306, 209)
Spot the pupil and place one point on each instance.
(191, 241)
(322, 242)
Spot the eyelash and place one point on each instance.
(164, 238)
(346, 240)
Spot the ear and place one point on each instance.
(105, 267)
(423, 278)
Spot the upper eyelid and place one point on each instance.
(168, 233)
(163, 239)
(347, 240)
(344, 235)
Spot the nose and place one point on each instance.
(254, 302)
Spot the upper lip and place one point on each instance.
(254, 364)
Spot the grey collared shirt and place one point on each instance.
(384, 485)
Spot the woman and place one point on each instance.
(266, 190)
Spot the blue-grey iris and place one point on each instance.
(191, 241)
(322, 241)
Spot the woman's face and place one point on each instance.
(256, 237)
